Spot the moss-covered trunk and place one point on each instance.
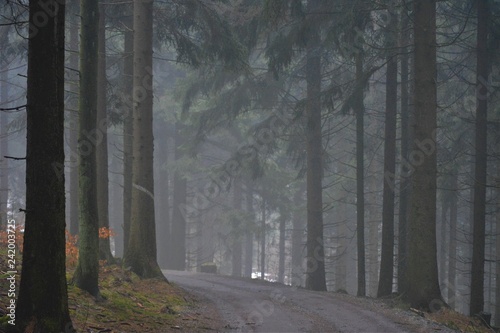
(141, 252)
(43, 300)
(87, 270)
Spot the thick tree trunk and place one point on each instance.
(249, 232)
(422, 272)
(478, 240)
(43, 302)
(237, 247)
(102, 144)
(315, 274)
(178, 235)
(141, 252)
(360, 179)
(87, 270)
(73, 120)
(391, 104)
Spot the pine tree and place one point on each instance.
(43, 302)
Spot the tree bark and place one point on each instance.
(478, 240)
(43, 302)
(422, 272)
(315, 274)
(141, 251)
(87, 270)
(73, 121)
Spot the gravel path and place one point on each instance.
(256, 306)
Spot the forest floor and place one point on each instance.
(153, 305)
(128, 305)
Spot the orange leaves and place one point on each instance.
(71, 250)
(106, 233)
(71, 241)
(72, 247)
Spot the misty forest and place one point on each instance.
(346, 147)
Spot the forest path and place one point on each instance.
(258, 306)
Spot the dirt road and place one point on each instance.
(256, 306)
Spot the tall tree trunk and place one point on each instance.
(162, 196)
(178, 234)
(297, 239)
(102, 144)
(4, 150)
(391, 104)
(422, 272)
(404, 186)
(43, 302)
(282, 226)
(442, 244)
(263, 239)
(87, 270)
(360, 179)
(497, 249)
(237, 247)
(141, 251)
(478, 240)
(249, 232)
(73, 119)
(341, 253)
(452, 255)
(373, 231)
(315, 274)
(128, 128)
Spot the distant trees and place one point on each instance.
(43, 302)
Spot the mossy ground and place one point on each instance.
(128, 304)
